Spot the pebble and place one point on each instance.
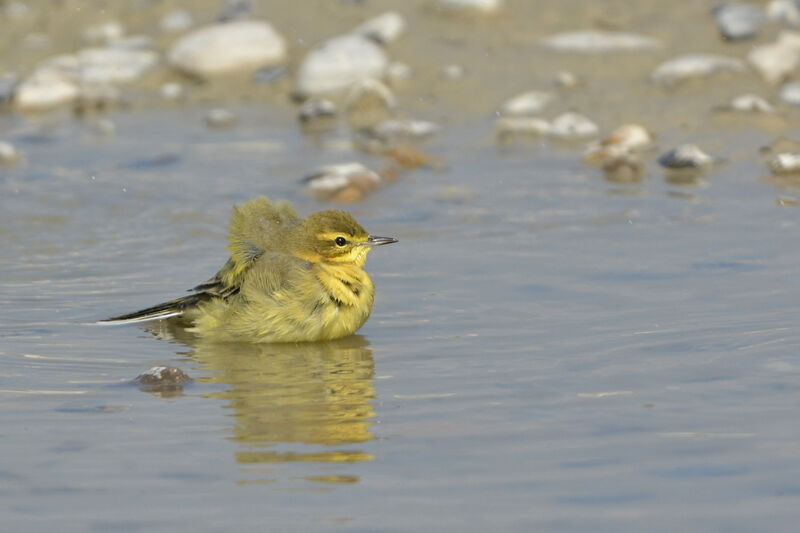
(269, 75)
(45, 88)
(116, 63)
(594, 42)
(471, 6)
(572, 125)
(369, 94)
(686, 156)
(8, 82)
(347, 182)
(790, 93)
(738, 21)
(527, 103)
(513, 126)
(336, 64)
(384, 28)
(397, 73)
(171, 91)
(404, 129)
(315, 109)
(165, 380)
(8, 154)
(624, 142)
(103, 33)
(750, 103)
(694, 66)
(235, 10)
(785, 163)
(221, 49)
(567, 79)
(787, 11)
(176, 21)
(220, 118)
(453, 72)
(776, 61)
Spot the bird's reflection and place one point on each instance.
(316, 393)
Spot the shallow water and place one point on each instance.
(548, 350)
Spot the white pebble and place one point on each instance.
(776, 61)
(512, 126)
(785, 163)
(594, 42)
(336, 64)
(784, 11)
(176, 20)
(326, 181)
(693, 66)
(404, 128)
(171, 91)
(8, 154)
(527, 103)
(471, 6)
(313, 109)
(790, 93)
(751, 103)
(738, 21)
(384, 28)
(453, 72)
(572, 125)
(103, 33)
(45, 88)
(225, 48)
(622, 143)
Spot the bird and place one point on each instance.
(288, 279)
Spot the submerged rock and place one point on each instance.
(163, 380)
(694, 66)
(336, 64)
(776, 61)
(594, 42)
(347, 182)
(384, 28)
(527, 103)
(738, 21)
(219, 49)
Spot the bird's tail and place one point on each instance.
(157, 312)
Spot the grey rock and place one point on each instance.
(785, 163)
(527, 103)
(750, 103)
(686, 156)
(314, 109)
(787, 11)
(471, 6)
(738, 21)
(521, 126)
(572, 125)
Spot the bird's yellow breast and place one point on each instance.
(322, 302)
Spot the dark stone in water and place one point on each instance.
(163, 380)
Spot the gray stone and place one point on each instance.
(572, 125)
(776, 61)
(527, 103)
(471, 6)
(738, 21)
(686, 156)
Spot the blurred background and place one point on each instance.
(589, 323)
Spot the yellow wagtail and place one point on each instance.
(288, 279)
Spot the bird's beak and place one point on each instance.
(377, 241)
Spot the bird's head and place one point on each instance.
(334, 236)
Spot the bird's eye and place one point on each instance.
(340, 241)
